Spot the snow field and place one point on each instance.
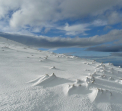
(33, 80)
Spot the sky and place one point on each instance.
(87, 28)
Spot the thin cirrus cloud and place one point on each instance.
(34, 15)
(57, 42)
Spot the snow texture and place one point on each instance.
(33, 80)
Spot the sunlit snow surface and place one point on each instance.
(33, 80)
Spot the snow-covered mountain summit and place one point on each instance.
(33, 80)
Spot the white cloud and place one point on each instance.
(80, 8)
(46, 30)
(114, 17)
(75, 29)
(99, 23)
(46, 13)
(107, 27)
(81, 28)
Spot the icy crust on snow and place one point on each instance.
(33, 80)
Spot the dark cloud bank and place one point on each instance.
(106, 48)
(57, 42)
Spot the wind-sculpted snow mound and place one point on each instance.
(76, 89)
(100, 95)
(50, 81)
(97, 86)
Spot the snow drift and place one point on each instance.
(33, 80)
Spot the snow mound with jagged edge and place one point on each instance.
(90, 86)
(87, 87)
(49, 81)
(70, 83)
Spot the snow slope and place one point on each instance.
(33, 80)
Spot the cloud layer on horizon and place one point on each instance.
(106, 48)
(119, 54)
(113, 36)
